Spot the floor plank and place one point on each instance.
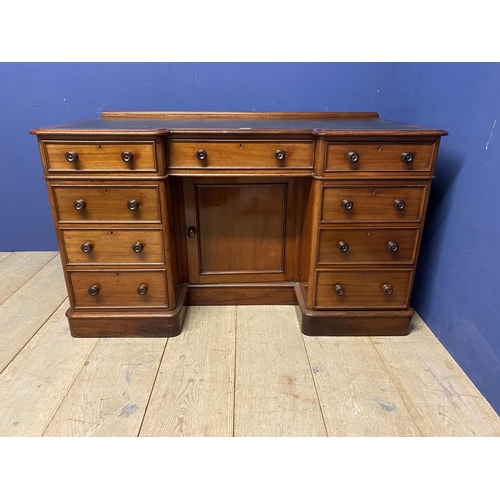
(110, 394)
(34, 384)
(440, 397)
(4, 255)
(243, 371)
(194, 391)
(25, 311)
(357, 394)
(19, 268)
(275, 393)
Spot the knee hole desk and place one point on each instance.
(155, 211)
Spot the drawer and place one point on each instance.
(367, 246)
(95, 157)
(86, 203)
(379, 157)
(118, 288)
(373, 204)
(241, 154)
(113, 246)
(368, 289)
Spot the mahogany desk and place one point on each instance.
(156, 211)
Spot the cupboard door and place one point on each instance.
(239, 230)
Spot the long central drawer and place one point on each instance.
(241, 154)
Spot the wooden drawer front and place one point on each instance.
(367, 246)
(374, 204)
(241, 154)
(376, 157)
(118, 288)
(101, 156)
(107, 204)
(114, 246)
(363, 289)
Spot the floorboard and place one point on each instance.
(194, 391)
(33, 386)
(19, 268)
(233, 371)
(4, 255)
(440, 397)
(110, 394)
(275, 393)
(357, 394)
(26, 310)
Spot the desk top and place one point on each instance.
(241, 123)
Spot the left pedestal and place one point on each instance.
(112, 211)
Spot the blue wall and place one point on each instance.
(37, 95)
(456, 288)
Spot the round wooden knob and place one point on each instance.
(387, 289)
(87, 247)
(71, 156)
(407, 157)
(191, 232)
(94, 290)
(279, 154)
(392, 246)
(201, 154)
(133, 205)
(142, 289)
(138, 247)
(339, 289)
(352, 157)
(399, 204)
(79, 205)
(347, 204)
(127, 157)
(343, 246)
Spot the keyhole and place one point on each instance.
(240, 146)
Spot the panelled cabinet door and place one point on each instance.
(239, 231)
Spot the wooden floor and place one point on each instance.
(234, 371)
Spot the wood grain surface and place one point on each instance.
(111, 392)
(19, 268)
(242, 371)
(101, 156)
(367, 246)
(379, 156)
(241, 154)
(113, 246)
(107, 204)
(373, 203)
(37, 380)
(275, 394)
(26, 310)
(194, 390)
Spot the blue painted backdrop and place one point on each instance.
(456, 289)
